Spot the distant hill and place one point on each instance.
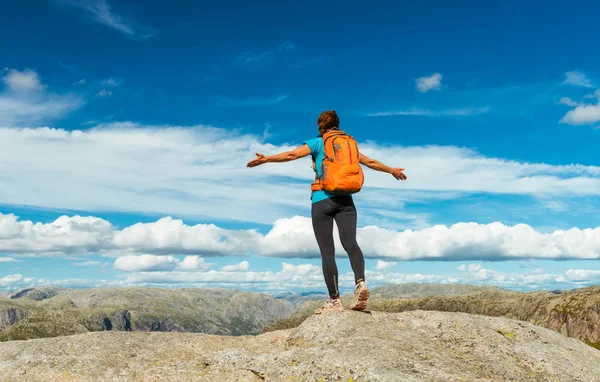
(415, 290)
(37, 293)
(34, 313)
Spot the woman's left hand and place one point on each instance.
(260, 159)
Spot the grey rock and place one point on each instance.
(121, 320)
(376, 346)
(10, 316)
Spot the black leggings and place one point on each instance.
(340, 208)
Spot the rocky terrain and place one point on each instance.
(420, 290)
(348, 346)
(574, 313)
(48, 311)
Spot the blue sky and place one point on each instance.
(126, 129)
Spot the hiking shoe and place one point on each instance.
(331, 306)
(361, 294)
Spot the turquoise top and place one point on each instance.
(316, 150)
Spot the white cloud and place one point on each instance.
(309, 277)
(26, 100)
(569, 102)
(145, 263)
(87, 264)
(242, 266)
(158, 242)
(25, 81)
(306, 274)
(474, 241)
(112, 82)
(192, 263)
(583, 115)
(169, 235)
(433, 82)
(381, 265)
(584, 275)
(462, 267)
(11, 280)
(171, 170)
(101, 12)
(104, 93)
(577, 79)
(80, 82)
(463, 112)
(8, 260)
(66, 235)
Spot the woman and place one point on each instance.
(326, 208)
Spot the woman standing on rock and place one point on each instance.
(336, 161)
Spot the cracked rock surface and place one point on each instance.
(359, 346)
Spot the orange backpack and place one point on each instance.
(342, 174)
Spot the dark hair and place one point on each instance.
(328, 120)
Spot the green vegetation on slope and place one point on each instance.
(213, 311)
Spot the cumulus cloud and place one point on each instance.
(15, 281)
(171, 170)
(242, 266)
(381, 265)
(577, 79)
(156, 263)
(65, 235)
(290, 274)
(145, 263)
(10, 279)
(194, 262)
(584, 113)
(475, 241)
(427, 83)
(583, 275)
(101, 12)
(309, 277)
(169, 235)
(159, 242)
(26, 100)
(25, 81)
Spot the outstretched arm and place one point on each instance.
(378, 166)
(287, 156)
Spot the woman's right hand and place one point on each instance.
(260, 159)
(398, 174)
